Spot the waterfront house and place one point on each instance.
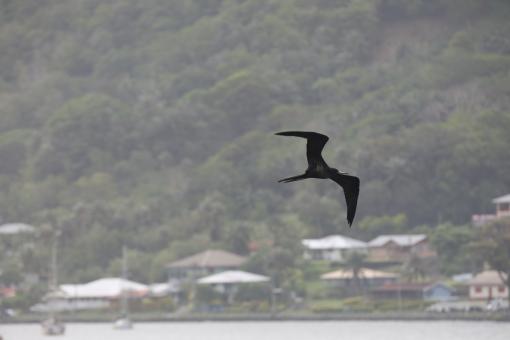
(228, 282)
(16, 229)
(502, 210)
(414, 291)
(398, 248)
(201, 264)
(101, 293)
(332, 248)
(368, 278)
(487, 285)
(7, 292)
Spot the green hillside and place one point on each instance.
(150, 122)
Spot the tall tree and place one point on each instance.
(354, 261)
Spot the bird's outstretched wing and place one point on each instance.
(314, 145)
(350, 184)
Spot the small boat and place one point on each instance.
(123, 323)
(53, 326)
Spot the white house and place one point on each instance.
(502, 206)
(487, 285)
(16, 228)
(93, 295)
(368, 278)
(397, 248)
(106, 288)
(502, 210)
(332, 248)
(228, 282)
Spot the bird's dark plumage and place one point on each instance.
(318, 168)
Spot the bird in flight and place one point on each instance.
(318, 168)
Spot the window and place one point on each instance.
(504, 206)
(501, 289)
(478, 289)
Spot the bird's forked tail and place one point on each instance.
(293, 179)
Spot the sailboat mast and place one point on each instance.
(124, 301)
(53, 282)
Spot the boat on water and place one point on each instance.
(53, 326)
(124, 322)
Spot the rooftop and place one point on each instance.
(162, 289)
(487, 277)
(403, 240)
(365, 273)
(502, 199)
(209, 258)
(110, 287)
(16, 228)
(233, 276)
(333, 242)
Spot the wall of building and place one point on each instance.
(488, 292)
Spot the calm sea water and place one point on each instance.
(330, 330)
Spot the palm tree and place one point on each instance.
(354, 261)
(414, 268)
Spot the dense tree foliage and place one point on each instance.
(149, 123)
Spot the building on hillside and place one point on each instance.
(368, 279)
(102, 293)
(414, 291)
(487, 285)
(228, 282)
(502, 210)
(332, 248)
(7, 292)
(202, 264)
(398, 248)
(16, 229)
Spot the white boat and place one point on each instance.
(53, 326)
(124, 322)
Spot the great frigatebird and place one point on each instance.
(318, 168)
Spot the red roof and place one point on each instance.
(7, 292)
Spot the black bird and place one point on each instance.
(318, 168)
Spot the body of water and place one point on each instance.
(327, 330)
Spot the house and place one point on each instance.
(487, 285)
(16, 228)
(228, 282)
(102, 293)
(105, 288)
(502, 210)
(368, 278)
(502, 206)
(204, 263)
(7, 292)
(414, 291)
(332, 248)
(398, 248)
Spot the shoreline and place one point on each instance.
(141, 318)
